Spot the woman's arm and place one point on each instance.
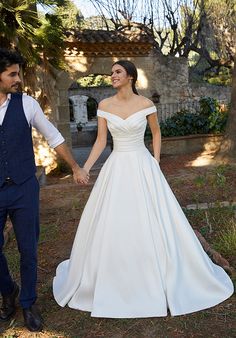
(156, 135)
(99, 144)
(80, 175)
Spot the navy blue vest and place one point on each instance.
(16, 146)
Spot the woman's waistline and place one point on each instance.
(129, 148)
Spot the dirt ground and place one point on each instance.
(62, 203)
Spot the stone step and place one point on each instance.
(204, 206)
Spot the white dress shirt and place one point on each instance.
(36, 118)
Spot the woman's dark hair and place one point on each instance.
(9, 58)
(130, 70)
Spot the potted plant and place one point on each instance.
(79, 126)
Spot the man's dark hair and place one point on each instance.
(9, 58)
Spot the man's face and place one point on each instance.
(10, 80)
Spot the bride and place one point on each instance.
(135, 254)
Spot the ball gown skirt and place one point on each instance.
(134, 253)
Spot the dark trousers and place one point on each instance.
(21, 203)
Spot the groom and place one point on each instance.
(19, 188)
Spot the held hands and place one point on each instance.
(86, 170)
(85, 178)
(80, 175)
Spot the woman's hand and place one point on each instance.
(85, 178)
(79, 174)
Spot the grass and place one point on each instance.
(226, 241)
(13, 258)
(47, 231)
(212, 220)
(199, 185)
(218, 226)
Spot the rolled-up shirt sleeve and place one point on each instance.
(37, 119)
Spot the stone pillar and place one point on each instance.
(80, 109)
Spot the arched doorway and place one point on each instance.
(92, 106)
(84, 96)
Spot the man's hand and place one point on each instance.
(80, 175)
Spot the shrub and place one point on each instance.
(217, 117)
(184, 123)
(210, 119)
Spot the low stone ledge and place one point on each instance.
(190, 144)
(204, 206)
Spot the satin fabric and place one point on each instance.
(135, 253)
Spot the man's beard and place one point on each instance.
(16, 88)
(13, 89)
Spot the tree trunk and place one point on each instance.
(227, 150)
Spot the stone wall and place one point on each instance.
(190, 144)
(165, 76)
(221, 93)
(169, 78)
(97, 93)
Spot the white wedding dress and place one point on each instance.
(135, 254)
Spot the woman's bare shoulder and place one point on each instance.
(146, 103)
(105, 103)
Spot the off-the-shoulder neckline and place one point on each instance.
(139, 111)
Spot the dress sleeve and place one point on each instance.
(150, 110)
(100, 113)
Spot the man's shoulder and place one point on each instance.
(30, 102)
(28, 98)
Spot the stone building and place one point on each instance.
(163, 79)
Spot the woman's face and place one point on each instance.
(119, 76)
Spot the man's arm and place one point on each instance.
(79, 174)
(37, 119)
